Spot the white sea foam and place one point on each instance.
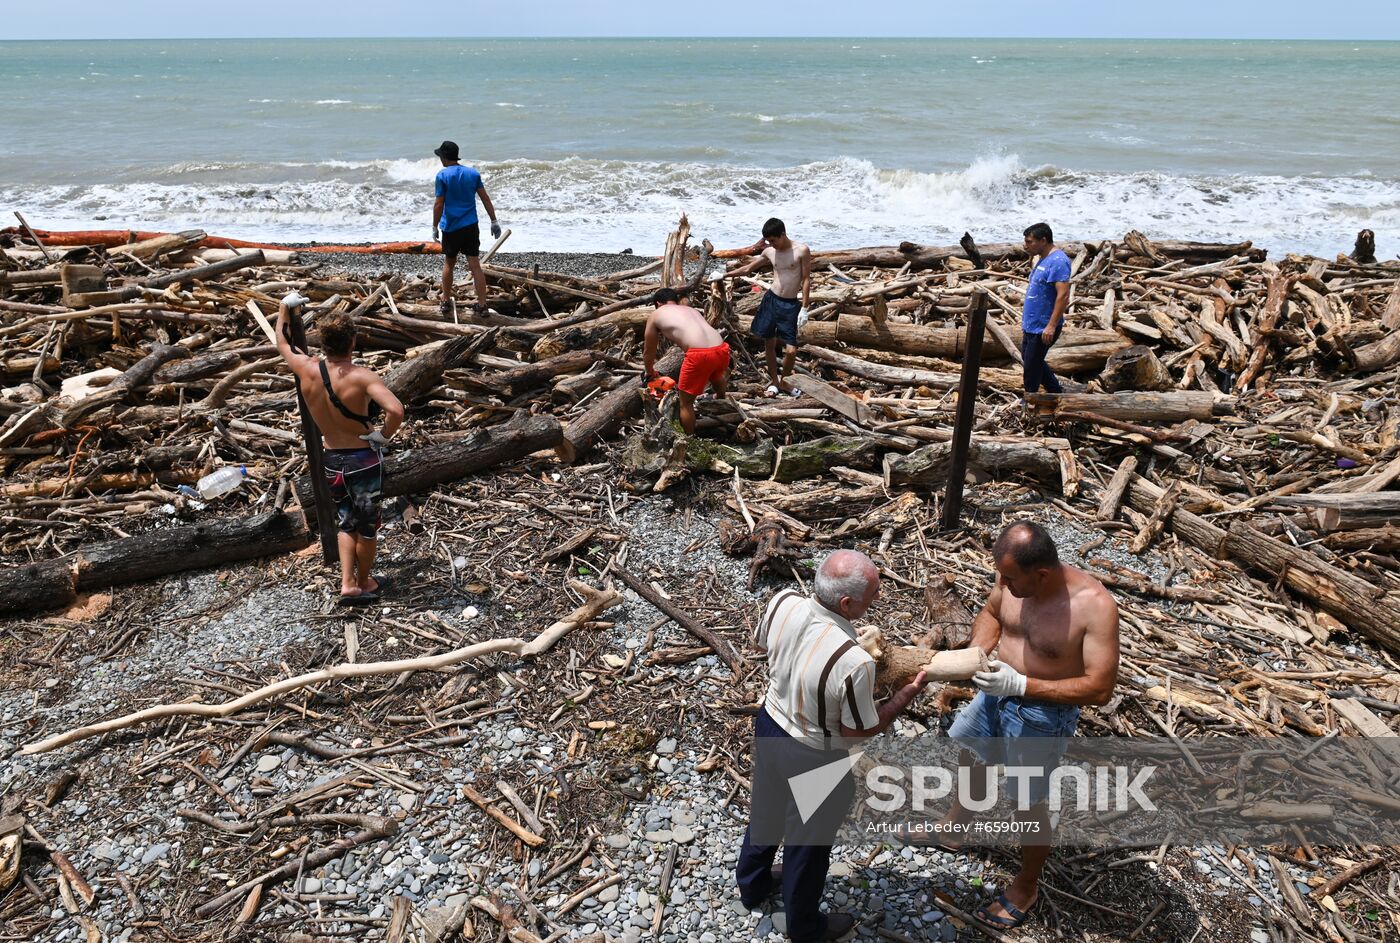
(334, 101)
(590, 204)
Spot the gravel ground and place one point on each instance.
(429, 266)
(637, 784)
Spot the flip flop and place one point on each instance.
(1016, 916)
(359, 599)
(794, 392)
(381, 583)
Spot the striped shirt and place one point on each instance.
(818, 677)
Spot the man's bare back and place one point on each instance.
(1045, 638)
(787, 268)
(686, 327)
(351, 385)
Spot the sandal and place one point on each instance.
(358, 599)
(1015, 917)
(381, 583)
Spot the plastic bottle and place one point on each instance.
(221, 482)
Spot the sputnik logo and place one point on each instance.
(812, 788)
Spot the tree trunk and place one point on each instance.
(528, 376)
(592, 335)
(814, 458)
(1135, 368)
(1360, 605)
(204, 272)
(928, 467)
(414, 379)
(159, 244)
(418, 470)
(1075, 352)
(606, 416)
(38, 586)
(1175, 406)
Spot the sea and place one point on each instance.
(602, 144)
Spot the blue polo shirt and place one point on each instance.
(458, 184)
(1040, 293)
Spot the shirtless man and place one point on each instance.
(343, 399)
(706, 353)
(781, 312)
(1055, 630)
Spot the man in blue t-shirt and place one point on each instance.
(1042, 318)
(454, 213)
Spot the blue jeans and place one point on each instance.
(1035, 372)
(1015, 731)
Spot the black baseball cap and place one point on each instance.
(447, 150)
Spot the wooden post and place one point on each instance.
(325, 512)
(967, 400)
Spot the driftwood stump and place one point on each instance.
(896, 665)
(768, 543)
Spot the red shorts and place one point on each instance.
(701, 366)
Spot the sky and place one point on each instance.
(1193, 19)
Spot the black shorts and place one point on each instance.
(465, 241)
(356, 478)
(777, 317)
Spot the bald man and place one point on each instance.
(821, 688)
(1054, 631)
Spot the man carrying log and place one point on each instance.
(820, 687)
(343, 399)
(781, 312)
(454, 213)
(1043, 316)
(1055, 630)
(706, 360)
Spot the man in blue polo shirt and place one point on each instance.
(454, 213)
(1042, 318)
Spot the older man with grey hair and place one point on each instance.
(821, 690)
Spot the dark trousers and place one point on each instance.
(1035, 371)
(772, 812)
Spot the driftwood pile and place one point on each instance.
(1236, 415)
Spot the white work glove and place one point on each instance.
(495, 229)
(376, 439)
(1001, 681)
(437, 237)
(294, 299)
(802, 317)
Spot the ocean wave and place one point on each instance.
(580, 203)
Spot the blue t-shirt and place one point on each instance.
(459, 185)
(1040, 293)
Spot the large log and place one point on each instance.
(607, 415)
(928, 467)
(216, 542)
(1075, 351)
(1360, 605)
(1174, 406)
(204, 272)
(527, 376)
(815, 457)
(38, 586)
(1354, 511)
(414, 379)
(160, 244)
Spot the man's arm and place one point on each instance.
(888, 711)
(393, 409)
(986, 628)
(1058, 313)
(486, 202)
(748, 267)
(652, 339)
(806, 261)
(1095, 686)
(299, 362)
